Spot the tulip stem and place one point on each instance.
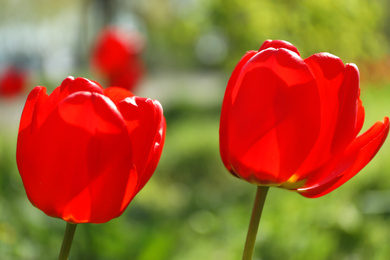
(67, 241)
(254, 222)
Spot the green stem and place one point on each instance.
(67, 241)
(254, 223)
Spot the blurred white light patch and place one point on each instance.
(58, 63)
(202, 221)
(211, 48)
(349, 218)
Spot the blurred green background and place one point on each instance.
(192, 208)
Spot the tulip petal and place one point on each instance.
(28, 125)
(277, 44)
(359, 116)
(117, 94)
(87, 127)
(341, 112)
(34, 100)
(67, 87)
(274, 98)
(146, 127)
(71, 85)
(348, 107)
(227, 102)
(155, 153)
(357, 155)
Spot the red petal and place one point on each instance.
(127, 77)
(36, 97)
(77, 165)
(113, 50)
(70, 85)
(28, 125)
(67, 87)
(359, 116)
(339, 95)
(348, 107)
(146, 126)
(277, 44)
(117, 94)
(273, 122)
(357, 155)
(227, 103)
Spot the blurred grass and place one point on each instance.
(193, 209)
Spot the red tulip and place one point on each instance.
(12, 81)
(129, 76)
(294, 123)
(83, 152)
(116, 56)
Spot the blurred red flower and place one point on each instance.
(293, 123)
(83, 152)
(13, 81)
(116, 56)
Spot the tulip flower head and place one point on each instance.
(294, 123)
(83, 152)
(116, 56)
(12, 81)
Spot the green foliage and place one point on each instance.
(351, 29)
